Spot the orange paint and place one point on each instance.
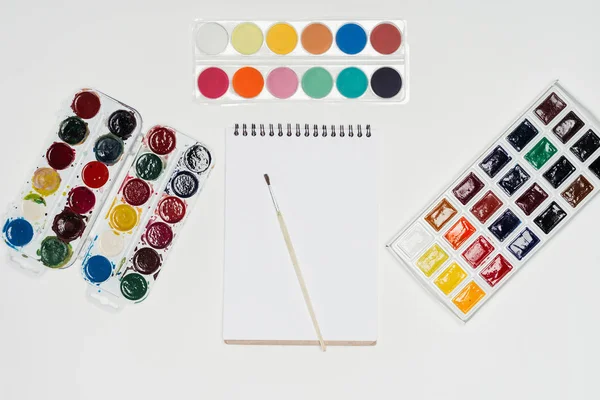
(468, 297)
(460, 232)
(248, 82)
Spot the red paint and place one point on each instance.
(162, 140)
(86, 104)
(171, 209)
(81, 199)
(213, 82)
(136, 192)
(159, 235)
(478, 251)
(486, 207)
(386, 38)
(496, 270)
(60, 155)
(95, 174)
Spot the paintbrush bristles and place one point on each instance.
(267, 179)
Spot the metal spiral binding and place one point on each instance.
(323, 131)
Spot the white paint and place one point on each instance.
(211, 38)
(110, 243)
(33, 211)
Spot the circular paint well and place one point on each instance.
(213, 82)
(122, 123)
(282, 82)
(352, 82)
(247, 38)
(386, 82)
(148, 166)
(33, 210)
(317, 82)
(134, 286)
(146, 261)
(171, 209)
(97, 269)
(184, 184)
(162, 140)
(86, 104)
(386, 38)
(109, 149)
(68, 225)
(94, 174)
(282, 38)
(54, 253)
(123, 218)
(316, 38)
(197, 158)
(73, 130)
(248, 82)
(136, 192)
(18, 232)
(45, 181)
(159, 235)
(81, 199)
(60, 155)
(212, 38)
(351, 38)
(111, 244)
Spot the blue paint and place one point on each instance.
(505, 225)
(18, 232)
(97, 269)
(523, 244)
(351, 38)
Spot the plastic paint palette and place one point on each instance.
(48, 222)
(129, 245)
(504, 207)
(238, 61)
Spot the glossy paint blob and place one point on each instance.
(440, 215)
(282, 38)
(317, 82)
(68, 225)
(45, 181)
(73, 130)
(159, 235)
(136, 192)
(432, 259)
(171, 209)
(18, 232)
(123, 218)
(351, 38)
(97, 269)
(81, 200)
(95, 174)
(86, 104)
(109, 149)
(122, 123)
(213, 82)
(468, 297)
(352, 82)
(148, 166)
(248, 82)
(386, 38)
(184, 184)
(146, 261)
(134, 286)
(450, 278)
(316, 38)
(162, 140)
(54, 253)
(282, 82)
(247, 38)
(60, 155)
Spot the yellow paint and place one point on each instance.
(448, 280)
(282, 38)
(123, 218)
(468, 297)
(247, 38)
(432, 260)
(45, 181)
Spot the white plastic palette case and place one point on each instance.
(318, 60)
(506, 205)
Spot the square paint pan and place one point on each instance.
(506, 205)
(245, 61)
(47, 224)
(129, 244)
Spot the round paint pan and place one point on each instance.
(18, 232)
(146, 261)
(184, 184)
(134, 286)
(386, 82)
(197, 158)
(97, 269)
(211, 38)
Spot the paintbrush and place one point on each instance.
(292, 252)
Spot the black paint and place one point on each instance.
(122, 123)
(522, 135)
(559, 172)
(197, 158)
(495, 161)
(108, 149)
(550, 218)
(184, 184)
(504, 225)
(513, 180)
(73, 130)
(595, 167)
(568, 127)
(386, 82)
(586, 146)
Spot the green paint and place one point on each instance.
(317, 82)
(36, 198)
(134, 286)
(148, 166)
(541, 153)
(352, 82)
(54, 253)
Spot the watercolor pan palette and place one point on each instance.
(506, 205)
(129, 244)
(48, 222)
(331, 60)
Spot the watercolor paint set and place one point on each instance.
(86, 150)
(330, 60)
(482, 229)
(129, 245)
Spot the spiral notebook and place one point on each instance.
(325, 180)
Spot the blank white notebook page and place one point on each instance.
(327, 192)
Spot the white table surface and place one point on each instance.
(474, 66)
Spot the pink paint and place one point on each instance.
(282, 82)
(213, 82)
